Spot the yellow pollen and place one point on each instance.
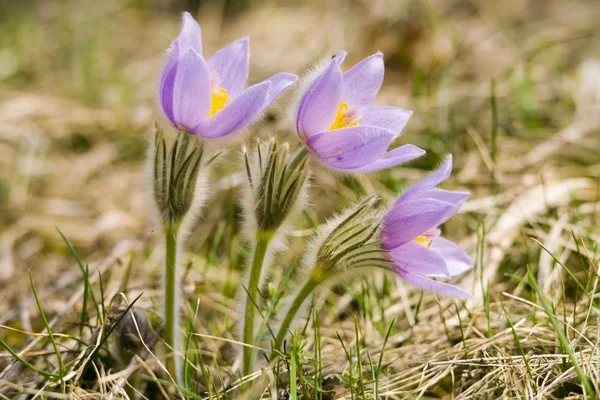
(342, 119)
(218, 101)
(424, 241)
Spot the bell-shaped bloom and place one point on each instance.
(411, 236)
(208, 99)
(338, 122)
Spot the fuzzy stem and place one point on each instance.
(301, 296)
(260, 251)
(172, 297)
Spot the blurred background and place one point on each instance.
(511, 88)
(488, 81)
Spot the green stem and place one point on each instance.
(172, 303)
(302, 295)
(260, 251)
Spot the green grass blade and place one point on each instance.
(26, 363)
(61, 365)
(108, 333)
(548, 309)
(380, 362)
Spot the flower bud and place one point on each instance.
(175, 175)
(277, 182)
(350, 241)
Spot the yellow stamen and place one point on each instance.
(218, 101)
(424, 241)
(342, 118)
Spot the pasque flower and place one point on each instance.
(208, 99)
(337, 119)
(405, 240)
(411, 236)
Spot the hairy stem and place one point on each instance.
(300, 298)
(260, 251)
(172, 303)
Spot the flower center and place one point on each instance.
(344, 118)
(424, 241)
(219, 99)
(426, 238)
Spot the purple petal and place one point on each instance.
(340, 56)
(456, 198)
(413, 257)
(190, 36)
(191, 91)
(236, 115)
(409, 219)
(457, 260)
(362, 82)
(349, 148)
(245, 108)
(229, 67)
(430, 182)
(167, 84)
(173, 56)
(320, 103)
(399, 155)
(449, 196)
(279, 82)
(433, 286)
(392, 118)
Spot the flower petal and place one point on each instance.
(430, 182)
(190, 36)
(229, 67)
(173, 55)
(399, 155)
(245, 108)
(236, 115)
(167, 83)
(407, 220)
(457, 198)
(320, 103)
(434, 286)
(416, 258)
(349, 148)
(340, 56)
(191, 91)
(449, 196)
(279, 82)
(392, 118)
(457, 260)
(362, 82)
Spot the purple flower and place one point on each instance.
(337, 119)
(208, 98)
(411, 236)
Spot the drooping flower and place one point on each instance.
(208, 99)
(411, 236)
(338, 122)
(406, 241)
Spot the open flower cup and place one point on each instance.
(411, 235)
(339, 124)
(208, 99)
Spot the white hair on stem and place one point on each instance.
(253, 165)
